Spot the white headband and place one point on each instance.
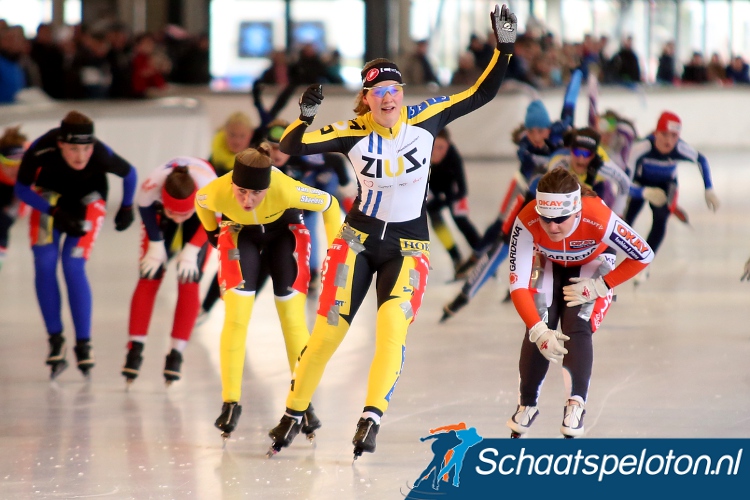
(558, 204)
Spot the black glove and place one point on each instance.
(124, 218)
(213, 237)
(504, 24)
(309, 102)
(65, 222)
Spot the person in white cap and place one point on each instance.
(560, 273)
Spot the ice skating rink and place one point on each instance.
(671, 360)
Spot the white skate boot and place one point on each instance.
(520, 422)
(573, 412)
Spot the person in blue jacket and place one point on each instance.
(63, 178)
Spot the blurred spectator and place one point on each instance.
(418, 69)
(92, 66)
(192, 66)
(482, 51)
(333, 68)
(625, 65)
(519, 67)
(738, 70)
(589, 54)
(278, 72)
(118, 57)
(309, 67)
(665, 73)
(12, 78)
(467, 72)
(716, 72)
(695, 71)
(48, 57)
(30, 68)
(146, 74)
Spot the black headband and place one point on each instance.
(379, 73)
(253, 178)
(76, 133)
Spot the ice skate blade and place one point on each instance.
(516, 435)
(168, 383)
(565, 436)
(57, 369)
(273, 450)
(446, 315)
(357, 453)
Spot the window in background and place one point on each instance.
(31, 13)
(663, 30)
(740, 28)
(717, 29)
(256, 39)
(691, 33)
(333, 25)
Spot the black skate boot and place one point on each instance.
(85, 356)
(227, 421)
(172, 366)
(133, 362)
(364, 438)
(283, 434)
(451, 309)
(56, 359)
(310, 423)
(463, 270)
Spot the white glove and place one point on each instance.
(712, 200)
(584, 290)
(746, 276)
(155, 257)
(546, 340)
(187, 263)
(656, 196)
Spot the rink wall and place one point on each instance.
(149, 132)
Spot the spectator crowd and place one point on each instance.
(109, 62)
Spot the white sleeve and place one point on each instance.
(619, 178)
(520, 256)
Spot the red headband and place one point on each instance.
(176, 205)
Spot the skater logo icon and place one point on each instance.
(449, 446)
(513, 278)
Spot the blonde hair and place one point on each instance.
(238, 118)
(360, 106)
(259, 157)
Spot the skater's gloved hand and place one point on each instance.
(309, 102)
(584, 290)
(213, 237)
(124, 218)
(746, 276)
(65, 222)
(187, 264)
(504, 24)
(654, 195)
(546, 341)
(712, 200)
(156, 256)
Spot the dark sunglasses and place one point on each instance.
(380, 92)
(556, 220)
(583, 153)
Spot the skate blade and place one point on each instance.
(168, 383)
(311, 440)
(516, 435)
(224, 438)
(357, 453)
(273, 450)
(57, 369)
